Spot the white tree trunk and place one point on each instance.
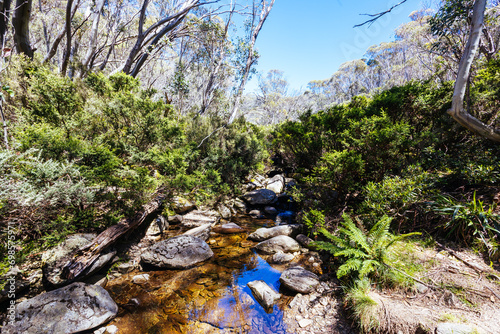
(457, 110)
(266, 9)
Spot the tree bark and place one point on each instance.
(67, 52)
(86, 256)
(93, 35)
(174, 20)
(266, 9)
(4, 20)
(21, 21)
(457, 111)
(60, 35)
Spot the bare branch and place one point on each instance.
(375, 17)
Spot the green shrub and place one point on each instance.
(314, 221)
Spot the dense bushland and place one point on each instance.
(87, 152)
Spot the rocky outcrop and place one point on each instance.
(281, 243)
(75, 308)
(179, 252)
(298, 279)
(264, 294)
(264, 233)
(260, 197)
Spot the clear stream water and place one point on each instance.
(210, 298)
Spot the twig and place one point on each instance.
(414, 278)
(210, 135)
(493, 292)
(452, 252)
(378, 15)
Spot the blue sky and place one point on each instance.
(308, 40)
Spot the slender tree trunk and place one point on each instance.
(21, 21)
(67, 52)
(5, 137)
(53, 49)
(266, 9)
(457, 110)
(4, 20)
(93, 35)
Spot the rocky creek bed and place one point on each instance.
(250, 272)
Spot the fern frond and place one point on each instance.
(367, 267)
(401, 237)
(348, 266)
(354, 233)
(351, 252)
(380, 229)
(325, 246)
(341, 243)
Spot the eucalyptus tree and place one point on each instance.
(21, 24)
(248, 56)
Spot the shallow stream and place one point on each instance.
(210, 298)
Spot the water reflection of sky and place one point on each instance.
(239, 305)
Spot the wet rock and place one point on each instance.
(239, 206)
(256, 214)
(281, 257)
(179, 252)
(177, 219)
(264, 233)
(125, 267)
(452, 328)
(198, 218)
(224, 212)
(228, 228)
(298, 279)
(271, 210)
(71, 309)
(140, 279)
(181, 205)
(264, 294)
(157, 226)
(100, 280)
(202, 232)
(260, 197)
(54, 259)
(304, 240)
(281, 243)
(276, 184)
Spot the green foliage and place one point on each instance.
(363, 306)
(366, 254)
(314, 221)
(396, 194)
(469, 221)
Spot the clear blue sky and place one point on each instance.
(308, 40)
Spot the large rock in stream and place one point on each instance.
(265, 233)
(180, 252)
(260, 197)
(74, 308)
(281, 243)
(264, 294)
(298, 279)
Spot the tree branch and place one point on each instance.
(375, 17)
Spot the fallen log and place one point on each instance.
(86, 256)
